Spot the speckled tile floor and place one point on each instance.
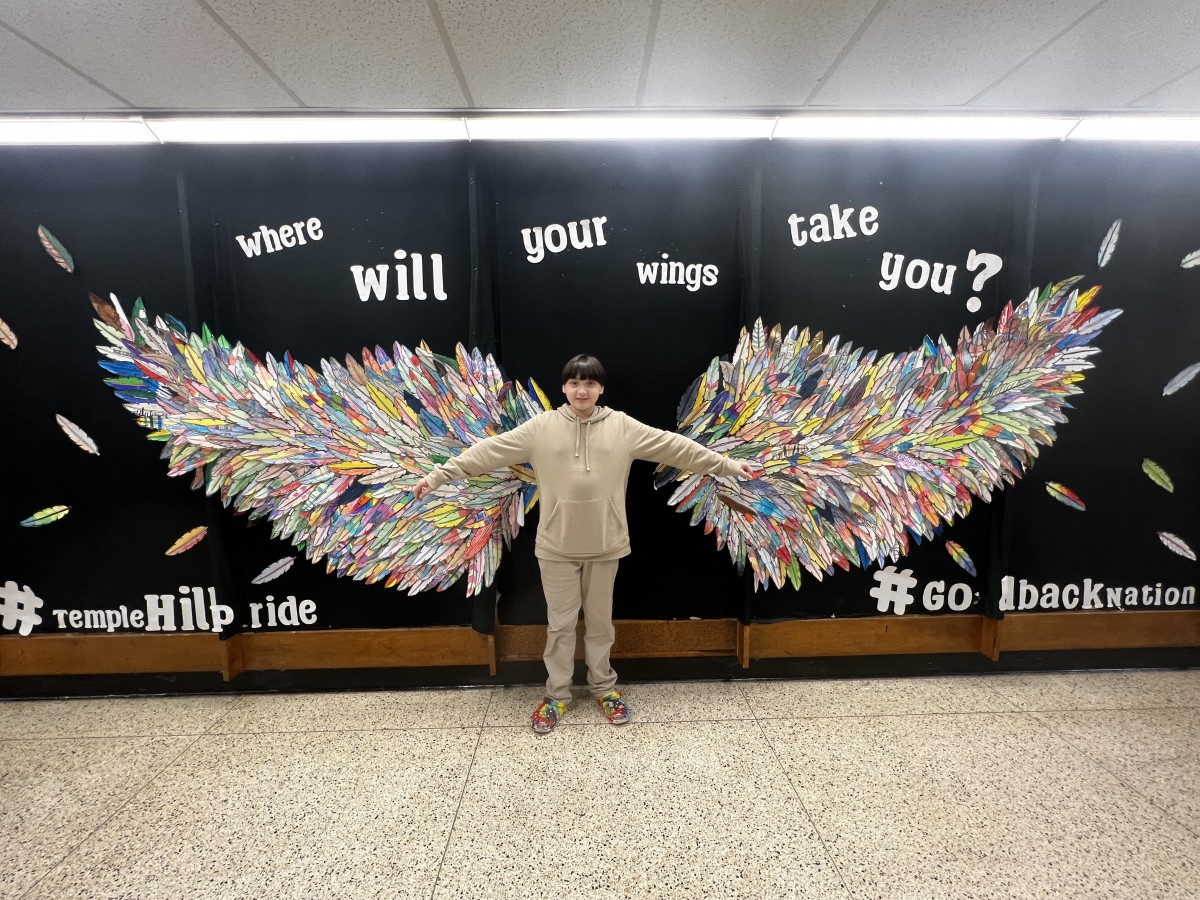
(1067, 785)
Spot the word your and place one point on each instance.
(287, 236)
(1022, 595)
(693, 274)
(833, 227)
(284, 613)
(18, 609)
(375, 281)
(196, 613)
(554, 237)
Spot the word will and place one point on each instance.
(375, 281)
(693, 274)
(554, 237)
(1091, 594)
(18, 609)
(286, 236)
(833, 227)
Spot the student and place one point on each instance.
(581, 454)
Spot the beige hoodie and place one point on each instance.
(582, 467)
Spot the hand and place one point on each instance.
(422, 489)
(749, 470)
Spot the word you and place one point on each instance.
(286, 612)
(894, 593)
(273, 240)
(832, 227)
(939, 276)
(555, 237)
(18, 609)
(693, 274)
(195, 613)
(1021, 595)
(375, 281)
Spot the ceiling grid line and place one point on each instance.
(1167, 83)
(850, 44)
(648, 52)
(62, 62)
(246, 48)
(448, 46)
(1035, 53)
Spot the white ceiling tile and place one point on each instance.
(747, 53)
(155, 53)
(549, 54)
(934, 53)
(1182, 94)
(352, 53)
(31, 80)
(1116, 55)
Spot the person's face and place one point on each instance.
(582, 394)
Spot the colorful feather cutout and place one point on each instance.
(7, 336)
(56, 250)
(1181, 379)
(77, 435)
(1191, 260)
(861, 452)
(1065, 495)
(1109, 244)
(330, 455)
(46, 516)
(273, 571)
(1176, 544)
(187, 541)
(960, 556)
(1158, 475)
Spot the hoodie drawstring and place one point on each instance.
(583, 424)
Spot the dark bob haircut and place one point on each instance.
(585, 368)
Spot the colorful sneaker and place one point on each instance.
(614, 707)
(546, 716)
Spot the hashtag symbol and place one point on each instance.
(17, 608)
(894, 588)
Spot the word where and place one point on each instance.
(272, 239)
(555, 237)
(833, 227)
(375, 281)
(692, 274)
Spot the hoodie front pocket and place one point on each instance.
(582, 528)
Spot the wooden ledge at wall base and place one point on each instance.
(113, 654)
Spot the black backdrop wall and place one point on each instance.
(857, 240)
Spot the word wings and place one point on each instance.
(331, 457)
(859, 453)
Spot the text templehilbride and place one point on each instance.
(1021, 595)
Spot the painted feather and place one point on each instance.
(1191, 260)
(331, 455)
(46, 516)
(861, 452)
(960, 556)
(1181, 379)
(77, 435)
(1176, 544)
(187, 541)
(1109, 244)
(1065, 495)
(1158, 475)
(274, 570)
(56, 250)
(7, 336)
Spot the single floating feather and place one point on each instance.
(7, 336)
(960, 556)
(1109, 244)
(1158, 475)
(46, 516)
(1191, 260)
(1181, 379)
(273, 571)
(1176, 544)
(1064, 495)
(77, 435)
(56, 250)
(188, 541)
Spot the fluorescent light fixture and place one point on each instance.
(618, 128)
(925, 128)
(1137, 128)
(78, 130)
(304, 129)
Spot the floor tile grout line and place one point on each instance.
(466, 783)
(129, 799)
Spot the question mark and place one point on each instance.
(991, 264)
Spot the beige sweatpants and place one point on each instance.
(569, 586)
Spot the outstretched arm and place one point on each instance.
(496, 452)
(668, 448)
